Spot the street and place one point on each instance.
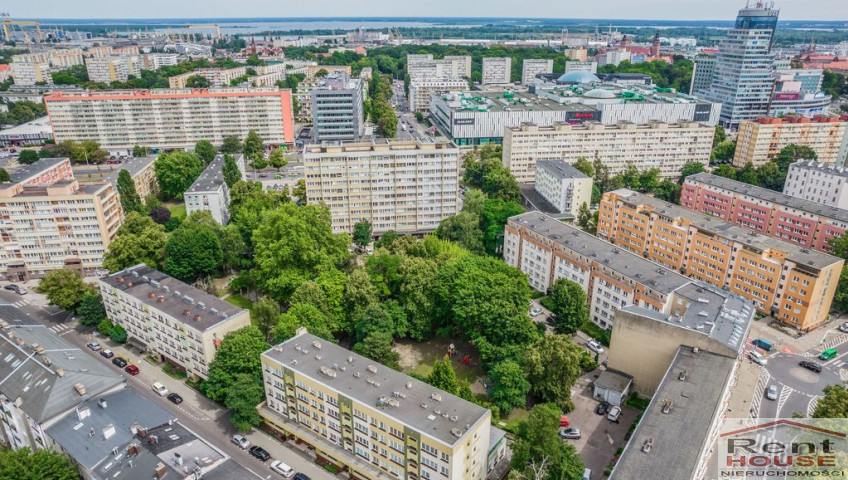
(196, 412)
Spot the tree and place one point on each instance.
(139, 151)
(584, 217)
(509, 385)
(552, 365)
(299, 192)
(725, 170)
(719, 136)
(649, 179)
(569, 306)
(771, 176)
(242, 398)
(295, 244)
(416, 295)
(42, 464)
(230, 170)
(233, 248)
(264, 314)
(197, 81)
(793, 153)
(585, 166)
(138, 240)
(4, 175)
(176, 171)
(27, 157)
(160, 215)
(130, 201)
(359, 295)
(473, 201)
(88, 151)
(64, 288)
(691, 168)
(231, 145)
(443, 376)
(91, 310)
(493, 218)
(723, 152)
(118, 334)
(834, 403)
(301, 315)
(378, 347)
(277, 159)
(192, 250)
(499, 183)
(252, 147)
(238, 353)
(386, 317)
(748, 174)
(668, 191)
(538, 438)
(362, 233)
(463, 229)
(205, 151)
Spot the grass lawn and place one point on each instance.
(418, 358)
(240, 301)
(178, 209)
(514, 418)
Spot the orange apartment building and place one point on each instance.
(759, 141)
(792, 283)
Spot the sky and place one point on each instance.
(624, 9)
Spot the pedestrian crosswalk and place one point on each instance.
(811, 407)
(60, 328)
(833, 342)
(20, 303)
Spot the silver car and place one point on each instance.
(771, 392)
(570, 433)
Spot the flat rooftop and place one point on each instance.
(611, 93)
(806, 206)
(825, 168)
(133, 166)
(369, 383)
(796, 253)
(560, 169)
(211, 179)
(486, 101)
(43, 369)
(677, 439)
(34, 169)
(39, 126)
(148, 286)
(634, 267)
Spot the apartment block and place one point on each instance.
(50, 221)
(546, 249)
(759, 141)
(312, 70)
(420, 91)
(423, 67)
(565, 187)
(655, 145)
(534, 66)
(168, 318)
(581, 66)
(793, 284)
(824, 183)
(497, 70)
(209, 193)
(217, 77)
(405, 186)
(337, 112)
(703, 74)
(373, 421)
(579, 54)
(463, 64)
(792, 219)
(65, 57)
(154, 61)
(171, 118)
(44, 378)
(31, 73)
(142, 173)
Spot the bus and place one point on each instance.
(828, 354)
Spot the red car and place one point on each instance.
(132, 370)
(563, 421)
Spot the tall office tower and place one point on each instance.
(337, 108)
(743, 69)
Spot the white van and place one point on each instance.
(282, 468)
(758, 358)
(587, 474)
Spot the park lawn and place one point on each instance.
(418, 358)
(240, 301)
(178, 210)
(512, 420)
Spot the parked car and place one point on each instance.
(131, 369)
(587, 474)
(595, 346)
(241, 441)
(811, 366)
(536, 311)
(614, 413)
(771, 392)
(301, 476)
(119, 362)
(107, 353)
(758, 358)
(93, 345)
(563, 421)
(571, 433)
(844, 327)
(282, 468)
(16, 288)
(160, 389)
(602, 408)
(259, 453)
(175, 398)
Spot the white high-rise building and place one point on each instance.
(534, 66)
(824, 183)
(30, 73)
(497, 70)
(405, 186)
(742, 81)
(210, 193)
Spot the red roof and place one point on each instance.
(4, 67)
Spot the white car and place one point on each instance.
(536, 311)
(595, 346)
(771, 393)
(242, 442)
(282, 468)
(758, 358)
(614, 413)
(160, 389)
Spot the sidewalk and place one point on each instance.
(788, 343)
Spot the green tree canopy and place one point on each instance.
(191, 251)
(378, 347)
(197, 81)
(509, 385)
(42, 464)
(691, 168)
(362, 233)
(668, 191)
(205, 151)
(834, 403)
(552, 366)
(230, 170)
(243, 396)
(139, 151)
(91, 310)
(302, 315)
(493, 218)
(4, 175)
(130, 201)
(27, 157)
(464, 230)
(569, 306)
(176, 171)
(138, 240)
(538, 438)
(726, 171)
(253, 146)
(231, 145)
(418, 276)
(723, 152)
(238, 353)
(64, 288)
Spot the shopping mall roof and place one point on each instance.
(506, 102)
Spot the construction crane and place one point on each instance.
(7, 22)
(206, 27)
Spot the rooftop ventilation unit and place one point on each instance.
(435, 396)
(372, 369)
(328, 372)
(317, 345)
